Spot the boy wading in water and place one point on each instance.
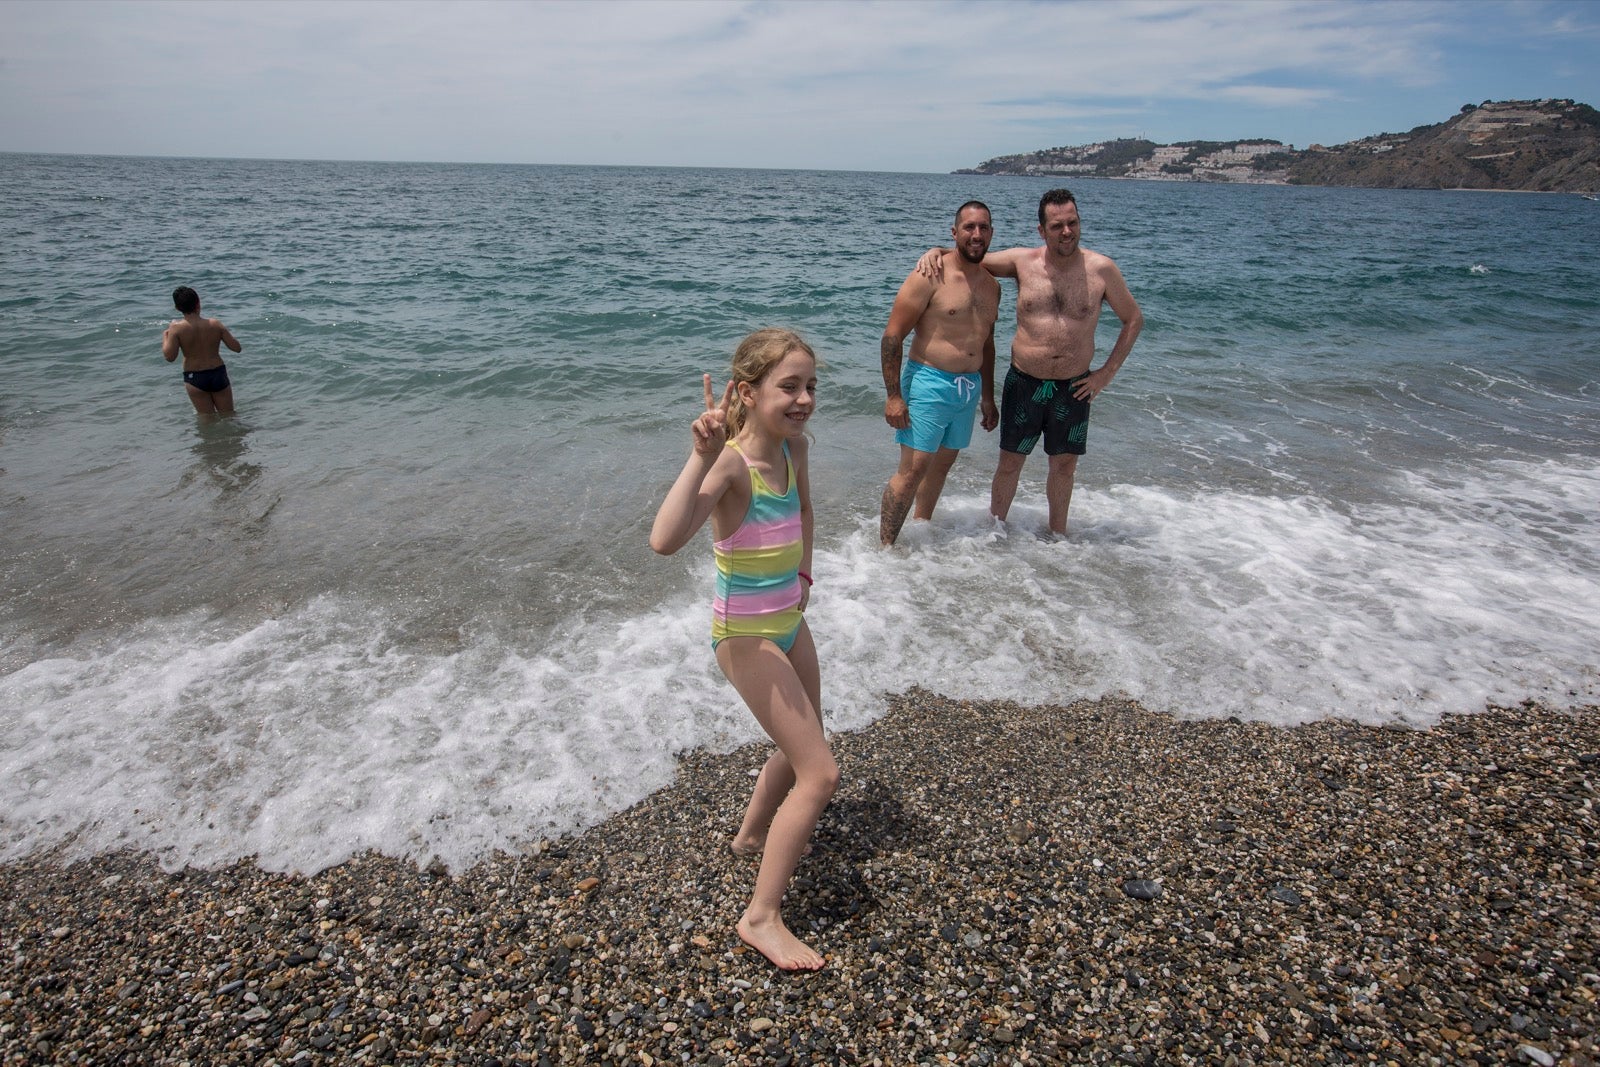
(747, 473)
(205, 376)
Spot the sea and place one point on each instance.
(403, 601)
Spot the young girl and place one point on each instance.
(747, 473)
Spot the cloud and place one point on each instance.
(905, 83)
(1568, 25)
(1273, 95)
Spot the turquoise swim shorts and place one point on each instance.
(942, 406)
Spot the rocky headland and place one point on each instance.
(1523, 145)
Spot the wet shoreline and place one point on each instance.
(1326, 893)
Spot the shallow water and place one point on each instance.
(403, 601)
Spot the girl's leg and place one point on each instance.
(777, 776)
(803, 658)
(772, 687)
(772, 785)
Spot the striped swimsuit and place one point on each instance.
(758, 566)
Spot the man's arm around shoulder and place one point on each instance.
(1004, 264)
(998, 264)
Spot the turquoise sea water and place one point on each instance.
(404, 600)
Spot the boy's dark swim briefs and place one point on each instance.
(211, 380)
(1032, 406)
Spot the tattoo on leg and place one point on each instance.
(893, 515)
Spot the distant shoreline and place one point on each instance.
(1545, 145)
(1068, 178)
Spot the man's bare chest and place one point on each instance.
(1068, 298)
(960, 306)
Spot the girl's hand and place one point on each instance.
(710, 429)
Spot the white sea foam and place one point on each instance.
(1208, 604)
(305, 738)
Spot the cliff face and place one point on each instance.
(1536, 145)
(1546, 145)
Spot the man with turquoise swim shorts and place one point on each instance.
(935, 394)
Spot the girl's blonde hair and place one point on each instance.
(755, 356)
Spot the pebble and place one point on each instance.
(1303, 896)
(1142, 888)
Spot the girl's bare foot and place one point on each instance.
(752, 850)
(773, 940)
(747, 848)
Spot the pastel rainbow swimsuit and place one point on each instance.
(758, 566)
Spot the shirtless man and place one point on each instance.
(205, 376)
(1049, 387)
(932, 398)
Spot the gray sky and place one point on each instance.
(900, 85)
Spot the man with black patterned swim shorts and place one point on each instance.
(1043, 407)
(1049, 388)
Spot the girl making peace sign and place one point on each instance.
(757, 495)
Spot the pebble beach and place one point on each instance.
(993, 884)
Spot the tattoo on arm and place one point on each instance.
(890, 353)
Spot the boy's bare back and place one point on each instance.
(199, 340)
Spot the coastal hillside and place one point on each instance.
(1530, 145)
